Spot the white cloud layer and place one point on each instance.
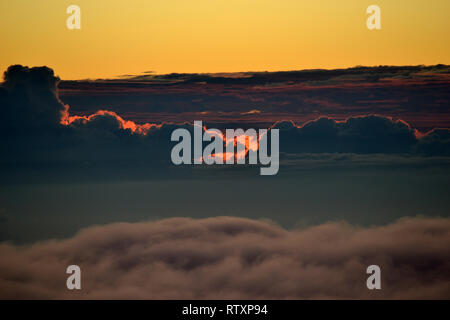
(228, 257)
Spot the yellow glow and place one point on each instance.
(129, 37)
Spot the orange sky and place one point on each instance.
(130, 37)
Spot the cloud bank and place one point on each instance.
(227, 257)
(362, 135)
(416, 94)
(37, 128)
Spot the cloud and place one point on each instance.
(29, 99)
(110, 118)
(31, 106)
(227, 257)
(418, 95)
(434, 143)
(363, 135)
(371, 134)
(38, 130)
(253, 111)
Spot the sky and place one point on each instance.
(167, 36)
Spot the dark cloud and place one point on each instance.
(369, 134)
(359, 73)
(29, 99)
(436, 142)
(416, 94)
(228, 257)
(38, 130)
